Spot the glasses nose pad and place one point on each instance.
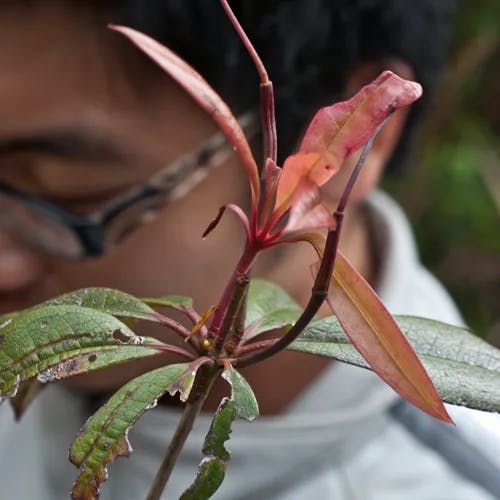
(19, 265)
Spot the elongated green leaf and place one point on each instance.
(268, 307)
(54, 342)
(204, 95)
(104, 436)
(174, 301)
(208, 480)
(244, 399)
(377, 337)
(464, 368)
(220, 431)
(108, 300)
(213, 466)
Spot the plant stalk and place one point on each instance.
(322, 282)
(227, 327)
(201, 388)
(242, 269)
(268, 122)
(246, 42)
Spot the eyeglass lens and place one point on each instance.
(37, 228)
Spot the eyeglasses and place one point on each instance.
(65, 233)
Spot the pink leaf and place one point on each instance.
(377, 337)
(307, 212)
(337, 131)
(272, 174)
(296, 169)
(193, 83)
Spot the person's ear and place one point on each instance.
(386, 140)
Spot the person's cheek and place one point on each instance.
(20, 267)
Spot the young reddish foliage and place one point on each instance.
(376, 335)
(337, 131)
(287, 207)
(196, 86)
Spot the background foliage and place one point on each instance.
(452, 194)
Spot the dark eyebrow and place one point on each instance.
(66, 143)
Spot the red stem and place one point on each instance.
(318, 295)
(324, 275)
(172, 349)
(248, 44)
(268, 122)
(256, 346)
(173, 325)
(242, 268)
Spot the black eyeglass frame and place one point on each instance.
(171, 182)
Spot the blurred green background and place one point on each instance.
(452, 195)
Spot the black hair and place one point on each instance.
(308, 47)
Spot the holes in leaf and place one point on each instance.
(119, 335)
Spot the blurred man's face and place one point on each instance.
(84, 116)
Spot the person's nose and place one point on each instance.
(20, 266)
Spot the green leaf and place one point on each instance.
(244, 399)
(184, 383)
(213, 466)
(110, 301)
(54, 342)
(220, 431)
(268, 307)
(7, 318)
(465, 369)
(208, 480)
(104, 436)
(173, 301)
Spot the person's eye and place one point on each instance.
(76, 187)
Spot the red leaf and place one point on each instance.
(272, 175)
(307, 212)
(296, 169)
(375, 334)
(193, 83)
(337, 131)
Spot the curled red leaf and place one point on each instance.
(196, 86)
(338, 130)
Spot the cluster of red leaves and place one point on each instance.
(286, 207)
